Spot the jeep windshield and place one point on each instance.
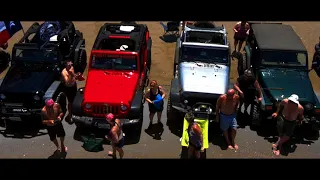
(284, 58)
(114, 62)
(204, 54)
(36, 55)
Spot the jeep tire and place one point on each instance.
(81, 63)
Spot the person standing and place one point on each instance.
(195, 137)
(70, 86)
(287, 114)
(241, 31)
(226, 112)
(153, 94)
(52, 116)
(115, 136)
(248, 88)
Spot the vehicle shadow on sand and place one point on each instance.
(130, 137)
(21, 130)
(169, 38)
(268, 131)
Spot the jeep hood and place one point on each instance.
(110, 86)
(20, 80)
(283, 83)
(204, 78)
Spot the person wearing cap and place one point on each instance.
(115, 136)
(70, 86)
(226, 112)
(241, 31)
(195, 137)
(248, 88)
(152, 98)
(287, 114)
(51, 116)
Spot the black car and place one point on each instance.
(34, 74)
(279, 61)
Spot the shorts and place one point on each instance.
(197, 148)
(120, 144)
(285, 127)
(70, 92)
(153, 109)
(56, 131)
(250, 97)
(228, 121)
(239, 38)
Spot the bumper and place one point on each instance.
(16, 110)
(101, 123)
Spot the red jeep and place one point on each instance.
(117, 75)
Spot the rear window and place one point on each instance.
(114, 62)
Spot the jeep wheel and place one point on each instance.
(242, 63)
(149, 60)
(256, 115)
(173, 116)
(81, 63)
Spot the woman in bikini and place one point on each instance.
(195, 137)
(115, 136)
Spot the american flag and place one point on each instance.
(8, 29)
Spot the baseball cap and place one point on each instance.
(294, 98)
(49, 102)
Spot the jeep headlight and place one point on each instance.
(87, 106)
(123, 107)
(2, 96)
(308, 106)
(36, 97)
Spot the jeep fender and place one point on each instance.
(77, 102)
(135, 110)
(149, 46)
(265, 101)
(174, 92)
(54, 92)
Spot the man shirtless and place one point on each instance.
(70, 86)
(226, 110)
(51, 116)
(287, 114)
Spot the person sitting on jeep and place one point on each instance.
(52, 116)
(151, 96)
(195, 137)
(70, 86)
(248, 88)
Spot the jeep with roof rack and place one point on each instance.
(117, 75)
(279, 61)
(201, 67)
(34, 74)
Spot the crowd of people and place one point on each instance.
(245, 91)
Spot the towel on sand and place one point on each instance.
(204, 125)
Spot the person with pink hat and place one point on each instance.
(115, 136)
(70, 85)
(52, 116)
(287, 114)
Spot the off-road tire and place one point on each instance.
(81, 63)
(61, 99)
(149, 59)
(173, 116)
(256, 115)
(242, 63)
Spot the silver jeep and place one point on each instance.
(201, 68)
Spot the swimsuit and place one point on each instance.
(228, 121)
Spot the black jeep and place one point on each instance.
(34, 74)
(279, 61)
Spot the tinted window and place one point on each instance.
(205, 54)
(115, 62)
(289, 58)
(36, 55)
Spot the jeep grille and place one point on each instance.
(102, 110)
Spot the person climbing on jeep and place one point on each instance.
(248, 88)
(155, 92)
(287, 114)
(241, 31)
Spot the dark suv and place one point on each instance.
(34, 75)
(279, 61)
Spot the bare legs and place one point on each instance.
(151, 115)
(114, 152)
(236, 43)
(63, 147)
(192, 151)
(278, 145)
(232, 136)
